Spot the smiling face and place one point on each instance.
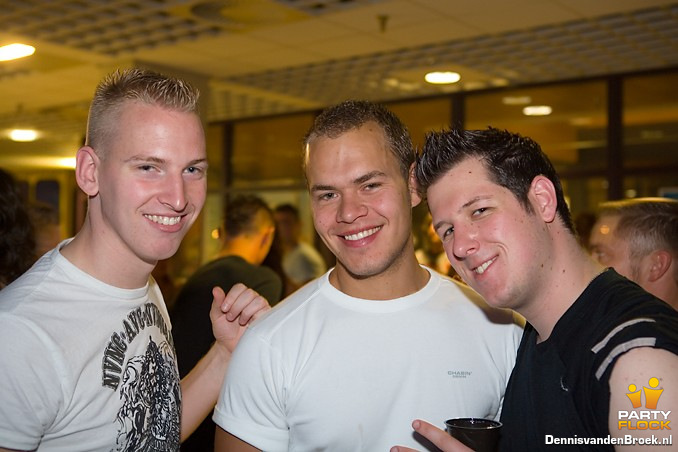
(360, 201)
(151, 185)
(492, 242)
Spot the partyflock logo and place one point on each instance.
(650, 418)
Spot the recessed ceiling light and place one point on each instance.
(14, 51)
(516, 100)
(537, 110)
(442, 78)
(23, 135)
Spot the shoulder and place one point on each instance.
(225, 272)
(624, 323)
(266, 273)
(648, 371)
(37, 284)
(291, 313)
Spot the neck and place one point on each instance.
(244, 248)
(104, 260)
(400, 279)
(570, 274)
(667, 290)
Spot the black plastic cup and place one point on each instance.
(481, 435)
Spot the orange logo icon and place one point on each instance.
(651, 394)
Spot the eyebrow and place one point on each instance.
(464, 206)
(371, 175)
(158, 160)
(357, 181)
(140, 158)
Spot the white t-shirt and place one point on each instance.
(326, 371)
(85, 366)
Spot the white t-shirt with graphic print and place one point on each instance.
(85, 366)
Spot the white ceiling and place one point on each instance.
(263, 57)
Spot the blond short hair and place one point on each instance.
(134, 84)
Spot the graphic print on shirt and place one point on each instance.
(147, 384)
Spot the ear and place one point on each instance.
(267, 238)
(86, 170)
(415, 198)
(543, 197)
(660, 262)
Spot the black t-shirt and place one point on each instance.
(560, 386)
(192, 327)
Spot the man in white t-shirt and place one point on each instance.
(339, 365)
(87, 361)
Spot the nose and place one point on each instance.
(465, 241)
(351, 208)
(173, 194)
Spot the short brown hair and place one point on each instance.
(336, 120)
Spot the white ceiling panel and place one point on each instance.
(263, 57)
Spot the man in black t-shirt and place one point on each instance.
(599, 357)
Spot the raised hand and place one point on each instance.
(230, 313)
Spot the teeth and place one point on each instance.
(163, 220)
(481, 268)
(361, 234)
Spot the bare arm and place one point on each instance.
(225, 442)
(230, 315)
(637, 367)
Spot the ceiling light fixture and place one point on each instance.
(14, 51)
(442, 78)
(23, 135)
(537, 110)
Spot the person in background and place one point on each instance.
(248, 230)
(87, 361)
(17, 239)
(300, 260)
(431, 252)
(338, 364)
(45, 220)
(592, 336)
(639, 238)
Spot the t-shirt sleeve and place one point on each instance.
(30, 393)
(251, 404)
(657, 331)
